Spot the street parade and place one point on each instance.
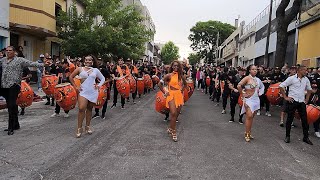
(100, 99)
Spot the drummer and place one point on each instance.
(106, 73)
(63, 73)
(12, 67)
(115, 75)
(50, 69)
(315, 100)
(134, 72)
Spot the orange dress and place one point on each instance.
(175, 95)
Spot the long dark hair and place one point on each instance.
(180, 71)
(248, 69)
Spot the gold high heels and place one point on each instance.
(79, 132)
(88, 130)
(247, 137)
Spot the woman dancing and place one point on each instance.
(174, 97)
(253, 88)
(88, 91)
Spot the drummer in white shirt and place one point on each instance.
(297, 100)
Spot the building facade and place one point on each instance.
(148, 23)
(4, 24)
(309, 35)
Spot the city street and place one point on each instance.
(133, 144)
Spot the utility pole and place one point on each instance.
(266, 55)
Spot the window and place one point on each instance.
(318, 61)
(57, 11)
(306, 62)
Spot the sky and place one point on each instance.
(174, 18)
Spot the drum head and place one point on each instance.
(62, 85)
(140, 79)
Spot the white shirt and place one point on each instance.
(297, 87)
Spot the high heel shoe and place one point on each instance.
(173, 134)
(88, 130)
(247, 137)
(79, 132)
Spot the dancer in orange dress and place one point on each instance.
(176, 82)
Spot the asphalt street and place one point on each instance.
(133, 144)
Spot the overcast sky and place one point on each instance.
(174, 18)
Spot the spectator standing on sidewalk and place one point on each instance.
(40, 72)
(12, 67)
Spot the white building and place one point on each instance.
(4, 24)
(252, 42)
(148, 23)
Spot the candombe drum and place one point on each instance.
(66, 96)
(140, 85)
(25, 97)
(273, 94)
(147, 81)
(208, 81)
(155, 79)
(133, 84)
(77, 81)
(240, 101)
(190, 87)
(102, 96)
(186, 94)
(123, 87)
(49, 83)
(313, 113)
(160, 104)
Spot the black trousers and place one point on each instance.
(291, 109)
(264, 101)
(216, 94)
(225, 95)
(200, 83)
(211, 90)
(115, 96)
(57, 110)
(48, 99)
(11, 94)
(233, 103)
(104, 109)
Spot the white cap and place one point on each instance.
(41, 56)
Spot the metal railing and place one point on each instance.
(264, 13)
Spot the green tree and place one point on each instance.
(104, 29)
(204, 36)
(283, 20)
(169, 52)
(194, 58)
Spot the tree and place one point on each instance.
(204, 36)
(105, 29)
(169, 52)
(194, 58)
(283, 21)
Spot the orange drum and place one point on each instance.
(77, 81)
(102, 97)
(190, 87)
(273, 94)
(208, 81)
(133, 84)
(140, 85)
(155, 79)
(186, 94)
(160, 104)
(313, 113)
(25, 97)
(123, 87)
(222, 83)
(49, 83)
(66, 96)
(240, 101)
(147, 81)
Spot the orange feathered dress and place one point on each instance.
(175, 95)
